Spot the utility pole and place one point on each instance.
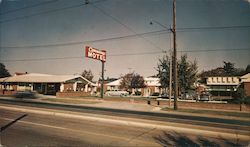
(175, 57)
(170, 78)
(102, 86)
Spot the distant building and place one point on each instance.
(245, 81)
(114, 85)
(222, 86)
(152, 86)
(45, 84)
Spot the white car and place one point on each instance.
(117, 93)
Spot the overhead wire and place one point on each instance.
(124, 25)
(27, 7)
(47, 12)
(82, 42)
(128, 54)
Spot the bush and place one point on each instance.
(137, 93)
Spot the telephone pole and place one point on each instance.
(175, 57)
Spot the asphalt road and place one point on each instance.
(34, 129)
(167, 117)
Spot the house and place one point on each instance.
(45, 83)
(245, 82)
(222, 86)
(114, 85)
(152, 86)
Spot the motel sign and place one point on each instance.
(95, 54)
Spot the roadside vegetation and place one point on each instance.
(71, 100)
(211, 112)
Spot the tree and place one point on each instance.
(132, 80)
(3, 71)
(229, 68)
(163, 70)
(240, 96)
(137, 81)
(126, 81)
(247, 69)
(187, 72)
(88, 75)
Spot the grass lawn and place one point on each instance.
(211, 112)
(70, 101)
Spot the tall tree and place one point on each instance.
(125, 83)
(247, 69)
(229, 68)
(3, 71)
(88, 75)
(163, 69)
(187, 72)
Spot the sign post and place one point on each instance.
(98, 55)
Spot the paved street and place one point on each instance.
(44, 129)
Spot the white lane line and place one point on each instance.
(135, 124)
(79, 131)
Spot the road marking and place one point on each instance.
(135, 124)
(125, 140)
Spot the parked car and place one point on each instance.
(205, 97)
(117, 93)
(165, 95)
(24, 94)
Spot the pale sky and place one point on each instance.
(50, 36)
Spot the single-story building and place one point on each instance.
(152, 86)
(222, 86)
(45, 83)
(245, 81)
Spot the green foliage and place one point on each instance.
(132, 80)
(187, 72)
(3, 71)
(240, 97)
(227, 70)
(137, 81)
(163, 70)
(248, 69)
(137, 93)
(88, 75)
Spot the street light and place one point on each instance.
(154, 21)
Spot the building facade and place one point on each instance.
(222, 86)
(45, 84)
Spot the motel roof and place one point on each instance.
(150, 81)
(245, 78)
(114, 83)
(42, 78)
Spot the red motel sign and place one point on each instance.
(93, 53)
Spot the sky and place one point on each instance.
(49, 36)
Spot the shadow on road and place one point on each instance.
(181, 140)
(12, 122)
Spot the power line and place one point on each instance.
(46, 12)
(127, 54)
(82, 42)
(124, 25)
(211, 28)
(30, 6)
